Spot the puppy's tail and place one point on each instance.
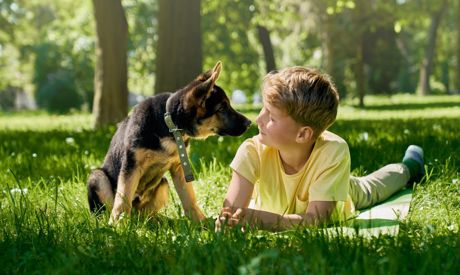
(100, 193)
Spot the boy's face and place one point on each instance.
(276, 128)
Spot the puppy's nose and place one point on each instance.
(247, 123)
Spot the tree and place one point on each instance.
(110, 81)
(458, 46)
(264, 38)
(426, 66)
(179, 53)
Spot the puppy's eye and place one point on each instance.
(220, 109)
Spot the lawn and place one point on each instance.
(46, 227)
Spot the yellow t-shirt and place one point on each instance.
(324, 177)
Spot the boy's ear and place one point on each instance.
(305, 134)
(202, 91)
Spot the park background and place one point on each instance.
(71, 70)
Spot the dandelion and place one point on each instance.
(69, 140)
(437, 127)
(18, 190)
(364, 136)
(34, 155)
(453, 227)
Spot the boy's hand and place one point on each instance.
(229, 217)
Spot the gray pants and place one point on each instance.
(376, 187)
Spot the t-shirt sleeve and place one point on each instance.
(333, 181)
(247, 161)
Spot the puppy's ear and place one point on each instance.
(214, 72)
(202, 91)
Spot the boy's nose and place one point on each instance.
(259, 118)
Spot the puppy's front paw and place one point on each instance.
(196, 215)
(115, 220)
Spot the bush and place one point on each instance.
(59, 94)
(7, 98)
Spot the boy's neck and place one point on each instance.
(294, 159)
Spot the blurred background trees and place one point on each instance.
(48, 49)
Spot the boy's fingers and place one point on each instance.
(218, 225)
(225, 210)
(238, 213)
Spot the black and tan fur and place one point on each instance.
(143, 150)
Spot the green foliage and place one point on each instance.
(395, 34)
(226, 27)
(59, 94)
(58, 40)
(143, 37)
(47, 228)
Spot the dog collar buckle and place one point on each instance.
(171, 126)
(184, 161)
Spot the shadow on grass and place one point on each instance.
(409, 106)
(372, 223)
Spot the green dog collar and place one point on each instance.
(184, 161)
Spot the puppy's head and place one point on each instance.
(206, 108)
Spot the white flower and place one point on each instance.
(364, 136)
(34, 155)
(18, 190)
(437, 127)
(69, 140)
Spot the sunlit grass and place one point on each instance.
(47, 229)
(42, 121)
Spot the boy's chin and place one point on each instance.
(262, 139)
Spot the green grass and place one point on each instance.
(46, 228)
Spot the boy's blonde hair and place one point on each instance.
(307, 95)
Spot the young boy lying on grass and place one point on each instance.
(295, 172)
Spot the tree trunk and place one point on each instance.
(110, 81)
(179, 53)
(360, 73)
(427, 63)
(361, 15)
(333, 63)
(264, 38)
(458, 47)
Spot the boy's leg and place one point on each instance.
(413, 159)
(378, 186)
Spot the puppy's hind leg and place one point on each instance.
(100, 194)
(153, 200)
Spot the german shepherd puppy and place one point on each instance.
(143, 148)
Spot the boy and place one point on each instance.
(296, 171)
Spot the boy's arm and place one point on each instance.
(237, 200)
(238, 196)
(318, 212)
(239, 192)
